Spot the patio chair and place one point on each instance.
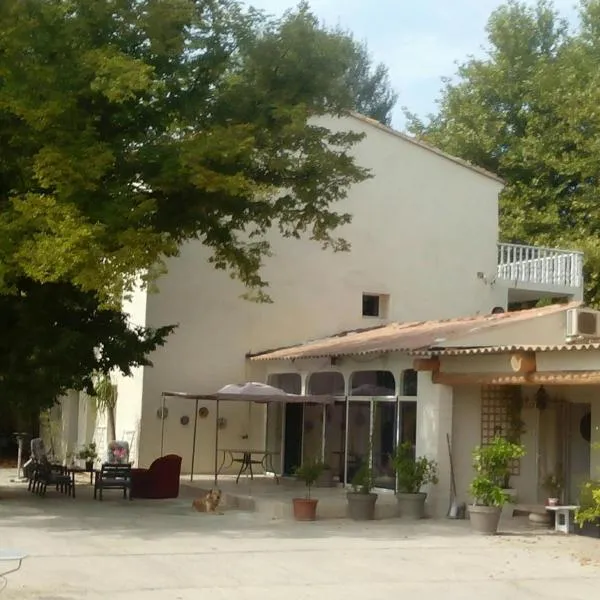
(160, 481)
(39, 458)
(113, 477)
(46, 474)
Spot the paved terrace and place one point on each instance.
(162, 550)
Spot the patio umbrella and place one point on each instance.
(251, 388)
(251, 391)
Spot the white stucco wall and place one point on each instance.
(130, 390)
(423, 228)
(546, 329)
(466, 435)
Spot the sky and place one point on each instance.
(419, 40)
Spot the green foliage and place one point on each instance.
(553, 484)
(589, 503)
(309, 472)
(369, 86)
(88, 452)
(104, 392)
(130, 127)
(413, 473)
(492, 465)
(54, 336)
(528, 112)
(363, 480)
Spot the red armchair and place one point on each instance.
(160, 481)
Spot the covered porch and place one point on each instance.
(517, 375)
(548, 398)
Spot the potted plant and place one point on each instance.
(491, 464)
(305, 509)
(587, 516)
(361, 500)
(412, 474)
(553, 485)
(88, 454)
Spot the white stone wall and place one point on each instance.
(423, 228)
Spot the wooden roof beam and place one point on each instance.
(537, 378)
(426, 364)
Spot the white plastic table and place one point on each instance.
(564, 521)
(8, 555)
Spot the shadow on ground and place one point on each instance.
(155, 519)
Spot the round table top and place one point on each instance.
(11, 554)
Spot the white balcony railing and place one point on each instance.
(540, 266)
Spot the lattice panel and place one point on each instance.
(496, 415)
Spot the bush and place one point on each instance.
(589, 503)
(309, 472)
(492, 465)
(362, 482)
(413, 473)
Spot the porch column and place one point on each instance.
(434, 421)
(595, 441)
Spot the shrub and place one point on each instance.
(589, 503)
(413, 473)
(362, 482)
(309, 472)
(492, 464)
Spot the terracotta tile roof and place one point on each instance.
(426, 146)
(404, 337)
(507, 349)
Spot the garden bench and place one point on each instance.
(113, 477)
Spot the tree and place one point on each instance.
(369, 85)
(129, 127)
(55, 337)
(528, 111)
(105, 397)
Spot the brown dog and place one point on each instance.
(208, 503)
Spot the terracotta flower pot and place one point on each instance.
(305, 509)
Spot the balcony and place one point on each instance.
(533, 273)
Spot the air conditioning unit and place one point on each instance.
(582, 323)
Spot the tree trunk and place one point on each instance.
(110, 423)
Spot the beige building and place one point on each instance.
(533, 373)
(424, 246)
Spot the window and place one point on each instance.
(326, 382)
(375, 305)
(410, 382)
(370, 305)
(290, 383)
(372, 383)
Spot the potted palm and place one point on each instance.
(412, 475)
(361, 500)
(305, 509)
(491, 464)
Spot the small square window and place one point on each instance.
(371, 305)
